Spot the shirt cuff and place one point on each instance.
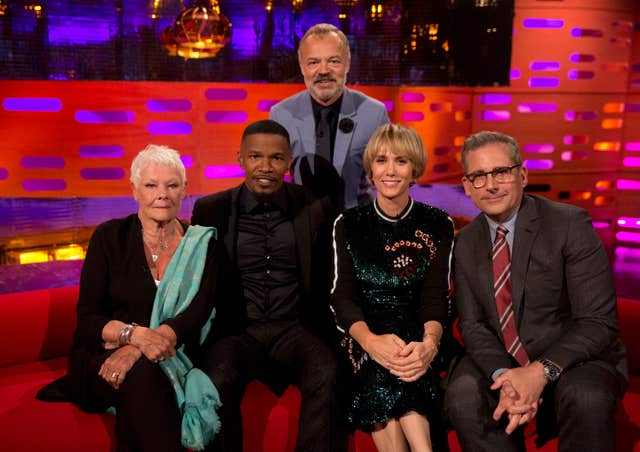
(496, 373)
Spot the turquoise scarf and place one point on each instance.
(196, 395)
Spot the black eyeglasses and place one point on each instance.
(501, 174)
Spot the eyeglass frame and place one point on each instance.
(500, 170)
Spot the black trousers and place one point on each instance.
(580, 408)
(147, 416)
(234, 361)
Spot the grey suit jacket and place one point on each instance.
(295, 113)
(563, 295)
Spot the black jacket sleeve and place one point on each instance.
(344, 291)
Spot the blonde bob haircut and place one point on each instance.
(160, 155)
(402, 141)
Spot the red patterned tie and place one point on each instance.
(502, 288)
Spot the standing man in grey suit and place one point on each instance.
(329, 124)
(537, 314)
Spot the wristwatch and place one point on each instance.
(551, 370)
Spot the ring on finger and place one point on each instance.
(115, 375)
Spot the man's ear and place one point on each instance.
(465, 185)
(525, 175)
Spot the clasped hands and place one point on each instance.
(408, 362)
(520, 391)
(155, 344)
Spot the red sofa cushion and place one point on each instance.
(27, 424)
(629, 324)
(37, 324)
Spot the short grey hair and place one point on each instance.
(480, 139)
(322, 30)
(161, 155)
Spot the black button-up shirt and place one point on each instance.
(267, 258)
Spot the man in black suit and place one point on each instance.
(277, 237)
(537, 314)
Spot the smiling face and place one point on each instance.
(159, 192)
(497, 200)
(324, 64)
(392, 175)
(265, 159)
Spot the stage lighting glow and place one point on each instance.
(69, 253)
(537, 107)
(625, 236)
(102, 173)
(104, 117)
(169, 128)
(606, 146)
(33, 257)
(628, 184)
(42, 104)
(539, 148)
(538, 164)
(223, 172)
(42, 162)
(495, 99)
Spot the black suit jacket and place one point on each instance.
(563, 295)
(311, 223)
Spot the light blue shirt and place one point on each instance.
(509, 225)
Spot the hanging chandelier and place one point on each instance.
(199, 31)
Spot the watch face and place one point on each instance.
(551, 371)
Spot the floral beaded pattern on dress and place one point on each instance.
(405, 265)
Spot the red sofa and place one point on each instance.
(36, 329)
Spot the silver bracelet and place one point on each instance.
(125, 334)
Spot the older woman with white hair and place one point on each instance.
(147, 288)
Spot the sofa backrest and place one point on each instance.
(629, 323)
(37, 324)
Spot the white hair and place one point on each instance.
(161, 155)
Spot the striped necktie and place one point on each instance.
(502, 289)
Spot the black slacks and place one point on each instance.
(234, 361)
(580, 407)
(147, 416)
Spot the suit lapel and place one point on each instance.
(527, 226)
(343, 140)
(231, 215)
(305, 124)
(482, 255)
(303, 234)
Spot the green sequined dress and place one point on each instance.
(394, 274)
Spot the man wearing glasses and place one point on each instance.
(537, 314)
